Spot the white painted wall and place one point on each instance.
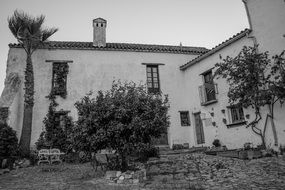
(268, 25)
(233, 137)
(95, 70)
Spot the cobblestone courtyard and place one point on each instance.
(180, 171)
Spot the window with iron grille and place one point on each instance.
(59, 78)
(236, 114)
(208, 90)
(153, 85)
(184, 118)
(209, 86)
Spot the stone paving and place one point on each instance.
(200, 171)
(180, 171)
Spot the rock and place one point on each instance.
(4, 163)
(26, 163)
(4, 171)
(110, 174)
(128, 176)
(118, 173)
(121, 178)
(135, 181)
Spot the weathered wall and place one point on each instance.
(95, 70)
(268, 24)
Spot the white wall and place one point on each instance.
(95, 70)
(268, 25)
(233, 137)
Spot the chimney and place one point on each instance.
(99, 32)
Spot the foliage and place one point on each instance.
(277, 86)
(124, 119)
(254, 82)
(8, 141)
(177, 147)
(216, 143)
(54, 135)
(147, 151)
(29, 32)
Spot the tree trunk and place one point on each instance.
(25, 139)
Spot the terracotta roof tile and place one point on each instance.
(120, 47)
(216, 48)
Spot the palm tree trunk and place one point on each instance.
(25, 139)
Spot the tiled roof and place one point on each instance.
(216, 48)
(120, 47)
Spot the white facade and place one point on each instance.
(95, 69)
(267, 19)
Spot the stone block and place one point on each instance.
(110, 174)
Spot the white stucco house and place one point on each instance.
(181, 72)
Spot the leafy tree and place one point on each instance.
(29, 32)
(124, 119)
(253, 82)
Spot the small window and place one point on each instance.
(59, 79)
(184, 117)
(153, 85)
(236, 114)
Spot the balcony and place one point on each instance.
(208, 93)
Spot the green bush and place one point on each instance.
(8, 141)
(124, 118)
(148, 152)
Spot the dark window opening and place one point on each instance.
(184, 117)
(153, 85)
(209, 86)
(59, 79)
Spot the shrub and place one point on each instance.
(125, 119)
(216, 143)
(177, 147)
(147, 152)
(8, 141)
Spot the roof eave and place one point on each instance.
(215, 49)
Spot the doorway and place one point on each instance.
(199, 129)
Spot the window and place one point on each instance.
(59, 78)
(59, 119)
(236, 115)
(152, 79)
(209, 86)
(184, 117)
(208, 90)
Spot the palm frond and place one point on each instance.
(46, 33)
(28, 30)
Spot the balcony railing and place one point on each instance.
(208, 93)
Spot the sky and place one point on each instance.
(203, 23)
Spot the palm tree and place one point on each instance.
(29, 32)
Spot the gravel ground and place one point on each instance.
(187, 171)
